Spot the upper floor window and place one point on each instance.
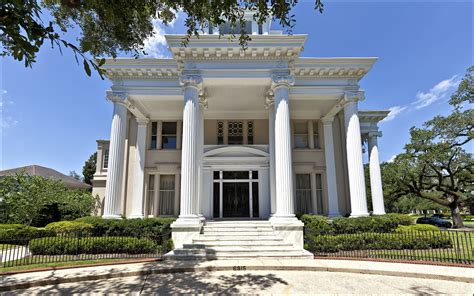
(169, 135)
(237, 29)
(154, 135)
(105, 159)
(301, 134)
(234, 132)
(316, 138)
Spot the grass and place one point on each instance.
(62, 264)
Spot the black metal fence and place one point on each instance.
(439, 246)
(77, 247)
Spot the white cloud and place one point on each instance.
(394, 112)
(156, 46)
(436, 93)
(6, 121)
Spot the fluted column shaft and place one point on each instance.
(283, 150)
(355, 165)
(139, 173)
(333, 202)
(113, 187)
(189, 151)
(375, 177)
(271, 124)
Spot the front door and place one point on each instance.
(235, 200)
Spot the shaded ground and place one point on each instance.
(281, 282)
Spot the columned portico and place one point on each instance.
(113, 189)
(355, 166)
(375, 175)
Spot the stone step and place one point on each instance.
(238, 252)
(237, 227)
(237, 222)
(239, 233)
(235, 248)
(210, 243)
(239, 237)
(234, 256)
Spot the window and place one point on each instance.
(220, 132)
(236, 135)
(105, 163)
(154, 133)
(260, 29)
(250, 132)
(167, 190)
(303, 193)
(301, 134)
(317, 141)
(151, 195)
(228, 29)
(168, 135)
(319, 194)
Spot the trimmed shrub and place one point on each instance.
(317, 224)
(375, 241)
(21, 236)
(364, 224)
(152, 228)
(70, 227)
(11, 226)
(416, 227)
(401, 219)
(91, 245)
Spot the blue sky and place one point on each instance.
(52, 114)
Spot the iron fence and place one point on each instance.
(78, 247)
(438, 246)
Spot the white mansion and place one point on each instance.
(222, 137)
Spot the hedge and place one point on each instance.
(374, 241)
(416, 227)
(70, 227)
(11, 226)
(149, 227)
(91, 245)
(383, 223)
(21, 236)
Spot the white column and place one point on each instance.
(200, 155)
(283, 151)
(355, 165)
(333, 202)
(139, 174)
(189, 150)
(271, 123)
(113, 187)
(375, 176)
(254, 27)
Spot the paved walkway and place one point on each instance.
(249, 276)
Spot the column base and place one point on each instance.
(111, 216)
(355, 215)
(378, 213)
(185, 229)
(289, 228)
(135, 216)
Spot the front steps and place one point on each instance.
(238, 240)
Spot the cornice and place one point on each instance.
(348, 68)
(372, 115)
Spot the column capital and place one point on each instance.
(269, 98)
(191, 80)
(119, 97)
(374, 134)
(327, 120)
(142, 121)
(353, 96)
(279, 80)
(203, 98)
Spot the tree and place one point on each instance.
(88, 170)
(34, 200)
(75, 175)
(435, 166)
(107, 29)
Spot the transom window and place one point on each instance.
(235, 132)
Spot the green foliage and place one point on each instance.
(416, 227)
(152, 228)
(21, 236)
(34, 200)
(107, 28)
(11, 226)
(88, 170)
(384, 223)
(435, 165)
(70, 227)
(375, 241)
(91, 245)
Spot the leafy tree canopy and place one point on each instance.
(107, 28)
(435, 165)
(89, 168)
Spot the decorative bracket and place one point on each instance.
(269, 99)
(203, 98)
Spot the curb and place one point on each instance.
(231, 268)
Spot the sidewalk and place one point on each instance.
(53, 277)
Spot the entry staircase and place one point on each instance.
(245, 239)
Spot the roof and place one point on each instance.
(37, 170)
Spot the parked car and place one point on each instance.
(434, 221)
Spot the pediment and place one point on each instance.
(235, 151)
